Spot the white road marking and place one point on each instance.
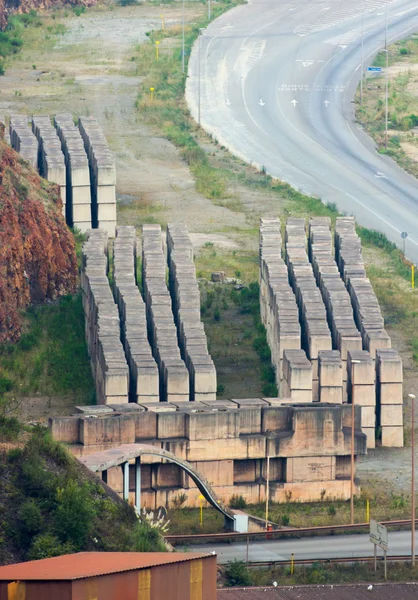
(380, 175)
(326, 102)
(404, 12)
(228, 102)
(294, 102)
(261, 103)
(326, 8)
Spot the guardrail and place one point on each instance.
(202, 538)
(309, 561)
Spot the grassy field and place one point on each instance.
(402, 104)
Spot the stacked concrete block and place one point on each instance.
(102, 175)
(366, 307)
(316, 335)
(297, 376)
(389, 380)
(144, 376)
(279, 311)
(174, 376)
(51, 161)
(23, 140)
(109, 366)
(330, 367)
(78, 207)
(362, 390)
(345, 335)
(186, 307)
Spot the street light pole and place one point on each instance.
(353, 362)
(209, 10)
(201, 30)
(182, 47)
(362, 53)
(387, 76)
(412, 396)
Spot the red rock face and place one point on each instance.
(37, 251)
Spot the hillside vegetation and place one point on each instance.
(49, 505)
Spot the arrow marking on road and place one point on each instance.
(294, 102)
(261, 103)
(228, 102)
(326, 102)
(227, 27)
(342, 46)
(380, 175)
(308, 63)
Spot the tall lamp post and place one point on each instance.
(412, 396)
(353, 362)
(201, 30)
(182, 43)
(387, 76)
(362, 54)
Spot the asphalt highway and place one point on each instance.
(277, 80)
(336, 546)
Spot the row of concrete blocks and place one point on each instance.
(345, 335)
(174, 376)
(367, 312)
(278, 308)
(245, 428)
(78, 211)
(316, 335)
(102, 175)
(106, 352)
(144, 385)
(51, 163)
(22, 139)
(186, 308)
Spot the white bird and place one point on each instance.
(213, 552)
(274, 583)
(370, 588)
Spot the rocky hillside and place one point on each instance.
(37, 251)
(8, 7)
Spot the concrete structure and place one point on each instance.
(297, 376)
(309, 447)
(23, 140)
(112, 576)
(102, 175)
(174, 376)
(144, 376)
(330, 372)
(51, 161)
(362, 390)
(389, 378)
(78, 175)
(279, 312)
(109, 366)
(186, 307)
(102, 462)
(316, 335)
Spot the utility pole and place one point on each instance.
(267, 490)
(182, 47)
(353, 363)
(209, 10)
(362, 53)
(387, 76)
(201, 30)
(412, 396)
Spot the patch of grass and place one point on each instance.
(187, 521)
(12, 39)
(51, 356)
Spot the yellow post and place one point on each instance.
(201, 498)
(162, 22)
(151, 93)
(413, 277)
(292, 564)
(156, 48)
(367, 511)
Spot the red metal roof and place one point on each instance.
(91, 564)
(379, 591)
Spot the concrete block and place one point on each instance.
(171, 425)
(391, 393)
(368, 417)
(391, 415)
(392, 437)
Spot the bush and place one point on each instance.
(403, 51)
(9, 429)
(270, 390)
(237, 574)
(237, 502)
(217, 314)
(220, 389)
(285, 520)
(5, 385)
(30, 522)
(332, 511)
(74, 513)
(46, 546)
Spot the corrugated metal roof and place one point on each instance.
(91, 564)
(380, 591)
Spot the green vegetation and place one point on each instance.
(187, 521)
(237, 502)
(50, 358)
(316, 574)
(51, 506)
(12, 39)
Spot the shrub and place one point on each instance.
(237, 502)
(285, 520)
(5, 385)
(9, 428)
(403, 51)
(270, 390)
(220, 389)
(237, 574)
(332, 511)
(217, 314)
(74, 513)
(46, 546)
(179, 500)
(30, 521)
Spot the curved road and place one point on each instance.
(277, 79)
(334, 546)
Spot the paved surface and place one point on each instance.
(338, 546)
(277, 81)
